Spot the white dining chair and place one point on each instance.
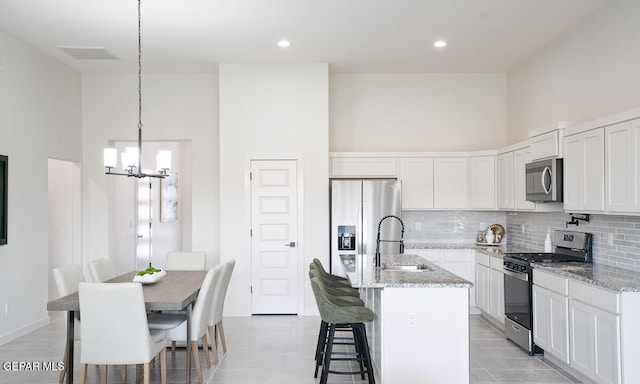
(67, 279)
(185, 261)
(175, 324)
(100, 270)
(115, 331)
(214, 321)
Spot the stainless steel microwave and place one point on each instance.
(544, 180)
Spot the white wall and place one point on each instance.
(591, 72)
(272, 108)
(176, 108)
(417, 112)
(40, 117)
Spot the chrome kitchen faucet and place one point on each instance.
(378, 240)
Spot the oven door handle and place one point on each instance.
(517, 275)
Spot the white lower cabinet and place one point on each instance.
(458, 261)
(595, 346)
(595, 332)
(490, 287)
(551, 314)
(581, 326)
(482, 287)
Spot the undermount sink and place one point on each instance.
(407, 268)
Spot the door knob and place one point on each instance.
(291, 244)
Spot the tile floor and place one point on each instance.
(277, 349)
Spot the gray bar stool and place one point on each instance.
(336, 298)
(336, 317)
(333, 287)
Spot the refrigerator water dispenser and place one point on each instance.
(346, 237)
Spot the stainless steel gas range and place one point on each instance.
(569, 246)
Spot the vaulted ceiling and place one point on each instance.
(351, 35)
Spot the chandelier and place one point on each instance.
(131, 158)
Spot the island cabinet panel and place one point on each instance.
(424, 335)
(420, 330)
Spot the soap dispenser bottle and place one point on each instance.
(548, 245)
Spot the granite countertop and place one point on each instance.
(604, 276)
(366, 275)
(421, 245)
(489, 249)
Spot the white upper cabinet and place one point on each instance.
(545, 146)
(450, 183)
(482, 180)
(546, 142)
(505, 181)
(584, 171)
(363, 167)
(622, 165)
(416, 175)
(520, 158)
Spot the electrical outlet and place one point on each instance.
(610, 240)
(6, 309)
(412, 319)
(418, 225)
(522, 228)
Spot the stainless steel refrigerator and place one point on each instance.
(357, 206)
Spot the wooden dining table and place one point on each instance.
(177, 290)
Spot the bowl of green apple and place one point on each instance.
(149, 275)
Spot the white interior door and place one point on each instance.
(274, 237)
(64, 218)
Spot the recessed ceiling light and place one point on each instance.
(284, 43)
(440, 44)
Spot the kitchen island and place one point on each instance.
(420, 333)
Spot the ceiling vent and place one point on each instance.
(88, 53)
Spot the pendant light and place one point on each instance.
(132, 156)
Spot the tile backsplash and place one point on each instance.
(448, 226)
(616, 239)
